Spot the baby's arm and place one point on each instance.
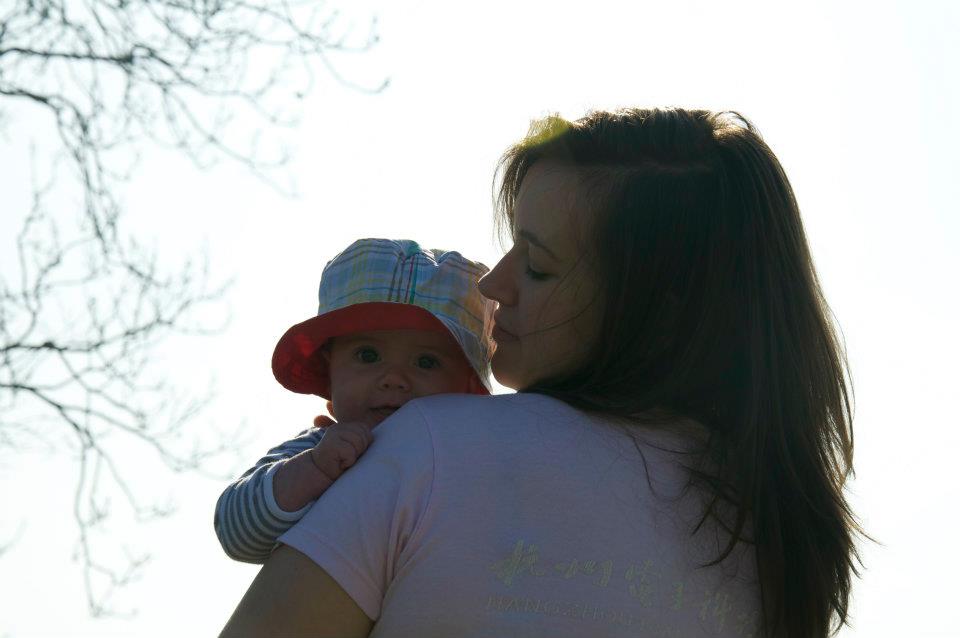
(273, 495)
(248, 519)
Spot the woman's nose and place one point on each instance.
(496, 284)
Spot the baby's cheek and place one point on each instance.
(345, 410)
(464, 382)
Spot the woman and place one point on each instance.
(674, 461)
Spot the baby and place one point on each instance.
(395, 322)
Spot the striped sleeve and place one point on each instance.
(247, 519)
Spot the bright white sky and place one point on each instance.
(858, 99)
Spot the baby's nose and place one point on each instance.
(394, 379)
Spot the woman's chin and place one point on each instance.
(507, 375)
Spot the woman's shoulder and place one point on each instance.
(467, 424)
(522, 407)
(497, 422)
(462, 412)
(530, 420)
(517, 407)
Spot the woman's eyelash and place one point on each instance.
(537, 276)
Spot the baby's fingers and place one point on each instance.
(322, 421)
(359, 439)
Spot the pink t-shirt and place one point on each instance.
(516, 515)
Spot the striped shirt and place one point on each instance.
(248, 519)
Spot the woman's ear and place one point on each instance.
(330, 409)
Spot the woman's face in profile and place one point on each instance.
(549, 311)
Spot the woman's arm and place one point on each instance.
(293, 596)
(332, 570)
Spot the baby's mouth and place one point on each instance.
(385, 410)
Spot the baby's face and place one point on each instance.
(372, 374)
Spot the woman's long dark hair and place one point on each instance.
(712, 311)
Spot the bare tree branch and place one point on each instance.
(81, 319)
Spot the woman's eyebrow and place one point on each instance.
(533, 239)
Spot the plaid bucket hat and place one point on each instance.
(383, 284)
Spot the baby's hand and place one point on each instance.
(341, 446)
(306, 476)
(322, 421)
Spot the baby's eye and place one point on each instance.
(427, 362)
(367, 355)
